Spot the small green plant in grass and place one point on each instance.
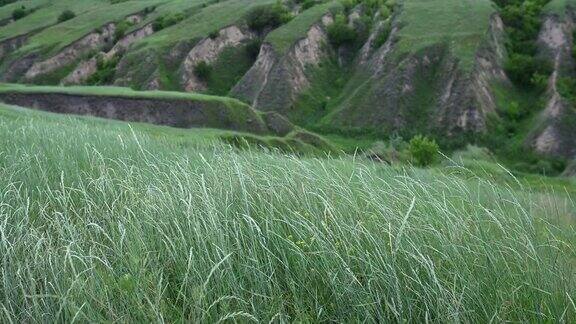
(423, 150)
(66, 15)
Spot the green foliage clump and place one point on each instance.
(66, 15)
(307, 4)
(267, 16)
(423, 150)
(105, 71)
(528, 71)
(203, 70)
(19, 13)
(340, 33)
(567, 88)
(523, 20)
(166, 21)
(121, 29)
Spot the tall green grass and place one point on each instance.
(113, 224)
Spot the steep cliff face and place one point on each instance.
(554, 134)
(208, 50)
(467, 99)
(427, 91)
(276, 79)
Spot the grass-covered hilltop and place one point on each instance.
(287, 161)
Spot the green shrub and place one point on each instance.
(339, 33)
(121, 29)
(203, 70)
(267, 16)
(527, 71)
(307, 4)
(105, 72)
(567, 88)
(19, 13)
(66, 15)
(167, 21)
(385, 12)
(423, 150)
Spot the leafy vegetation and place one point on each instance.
(104, 75)
(166, 21)
(528, 71)
(423, 150)
(121, 29)
(66, 15)
(523, 20)
(267, 16)
(20, 13)
(340, 33)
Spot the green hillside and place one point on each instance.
(461, 24)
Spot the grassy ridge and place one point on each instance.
(119, 92)
(462, 24)
(116, 224)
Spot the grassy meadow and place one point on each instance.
(105, 221)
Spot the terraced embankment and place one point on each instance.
(161, 108)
